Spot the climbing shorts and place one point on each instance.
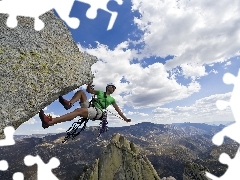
(92, 111)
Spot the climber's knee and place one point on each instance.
(83, 112)
(83, 96)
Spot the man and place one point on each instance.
(85, 111)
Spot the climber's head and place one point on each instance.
(110, 88)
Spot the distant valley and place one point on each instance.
(168, 147)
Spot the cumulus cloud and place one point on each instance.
(203, 110)
(31, 121)
(193, 71)
(38, 131)
(60, 129)
(137, 113)
(213, 71)
(52, 114)
(195, 32)
(227, 64)
(144, 87)
(83, 87)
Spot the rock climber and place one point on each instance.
(92, 113)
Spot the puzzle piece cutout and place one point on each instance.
(101, 4)
(3, 165)
(36, 8)
(231, 131)
(9, 140)
(233, 167)
(18, 176)
(44, 170)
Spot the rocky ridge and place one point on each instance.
(121, 160)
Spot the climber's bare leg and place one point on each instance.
(79, 95)
(83, 112)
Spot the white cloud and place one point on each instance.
(193, 31)
(38, 131)
(203, 110)
(80, 88)
(198, 32)
(213, 71)
(131, 113)
(75, 90)
(31, 121)
(137, 113)
(192, 70)
(146, 87)
(143, 114)
(60, 129)
(52, 114)
(227, 64)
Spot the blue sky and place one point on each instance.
(167, 60)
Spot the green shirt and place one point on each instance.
(100, 97)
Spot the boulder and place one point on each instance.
(36, 67)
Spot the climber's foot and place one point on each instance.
(66, 104)
(45, 119)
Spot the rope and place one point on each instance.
(72, 131)
(115, 115)
(92, 86)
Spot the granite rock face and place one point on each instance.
(37, 66)
(121, 160)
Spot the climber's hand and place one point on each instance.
(127, 120)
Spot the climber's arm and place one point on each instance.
(90, 90)
(120, 112)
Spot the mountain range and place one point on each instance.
(169, 148)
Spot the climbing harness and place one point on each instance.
(73, 131)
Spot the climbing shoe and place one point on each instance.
(45, 119)
(65, 103)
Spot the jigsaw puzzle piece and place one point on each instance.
(229, 78)
(27, 8)
(63, 8)
(113, 5)
(9, 132)
(44, 170)
(3, 165)
(235, 97)
(12, 21)
(12, 18)
(231, 131)
(233, 168)
(101, 4)
(36, 8)
(18, 176)
(221, 105)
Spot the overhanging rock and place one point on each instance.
(36, 67)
